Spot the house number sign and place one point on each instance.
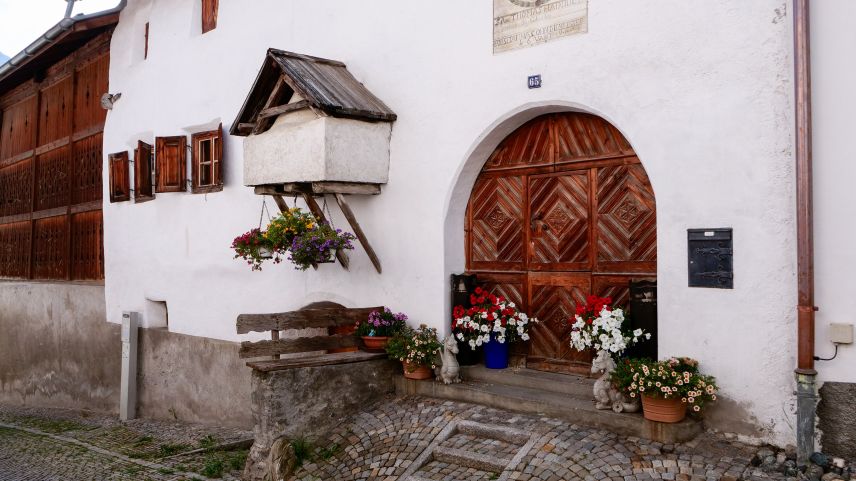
(711, 262)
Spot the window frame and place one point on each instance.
(216, 163)
(119, 185)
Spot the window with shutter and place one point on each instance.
(143, 172)
(209, 15)
(207, 172)
(120, 185)
(171, 162)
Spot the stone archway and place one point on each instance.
(561, 209)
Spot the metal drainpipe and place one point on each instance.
(805, 372)
(69, 8)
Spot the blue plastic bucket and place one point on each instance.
(495, 354)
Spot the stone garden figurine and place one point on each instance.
(450, 371)
(605, 394)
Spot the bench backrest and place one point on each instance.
(302, 319)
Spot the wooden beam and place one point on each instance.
(358, 231)
(318, 188)
(319, 215)
(264, 124)
(274, 336)
(345, 188)
(282, 109)
(303, 319)
(280, 202)
(315, 361)
(293, 346)
(246, 127)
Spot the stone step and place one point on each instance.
(570, 384)
(469, 459)
(529, 400)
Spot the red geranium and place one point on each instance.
(592, 308)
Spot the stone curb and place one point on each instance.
(102, 451)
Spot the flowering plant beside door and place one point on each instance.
(596, 325)
(490, 317)
(417, 349)
(676, 380)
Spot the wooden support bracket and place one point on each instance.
(358, 231)
(308, 191)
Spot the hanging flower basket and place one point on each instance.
(318, 246)
(254, 248)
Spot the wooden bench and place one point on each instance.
(314, 348)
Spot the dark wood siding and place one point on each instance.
(51, 169)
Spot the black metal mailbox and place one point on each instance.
(711, 258)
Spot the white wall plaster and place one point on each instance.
(703, 93)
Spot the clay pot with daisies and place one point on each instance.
(417, 349)
(668, 389)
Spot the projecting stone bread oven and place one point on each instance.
(307, 119)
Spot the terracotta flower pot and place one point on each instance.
(375, 343)
(417, 372)
(663, 410)
(346, 329)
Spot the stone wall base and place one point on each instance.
(305, 403)
(836, 414)
(58, 350)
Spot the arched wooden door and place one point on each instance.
(562, 209)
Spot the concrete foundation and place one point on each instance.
(305, 403)
(836, 415)
(56, 350)
(194, 379)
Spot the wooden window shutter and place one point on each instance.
(143, 172)
(207, 163)
(209, 15)
(120, 185)
(171, 163)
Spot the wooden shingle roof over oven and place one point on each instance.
(325, 86)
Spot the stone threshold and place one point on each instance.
(566, 397)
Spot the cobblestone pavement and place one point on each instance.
(64, 445)
(395, 441)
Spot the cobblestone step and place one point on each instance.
(546, 403)
(570, 384)
(461, 457)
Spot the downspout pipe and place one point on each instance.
(51, 35)
(805, 372)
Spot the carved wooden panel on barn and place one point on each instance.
(18, 130)
(87, 249)
(52, 178)
(87, 170)
(15, 249)
(16, 188)
(51, 169)
(55, 111)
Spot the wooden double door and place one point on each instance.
(562, 209)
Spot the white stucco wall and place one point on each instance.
(701, 89)
(833, 102)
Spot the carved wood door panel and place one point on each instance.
(626, 220)
(559, 230)
(562, 209)
(496, 223)
(552, 299)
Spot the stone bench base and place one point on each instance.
(305, 403)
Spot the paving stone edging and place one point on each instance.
(104, 452)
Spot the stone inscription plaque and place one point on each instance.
(525, 23)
